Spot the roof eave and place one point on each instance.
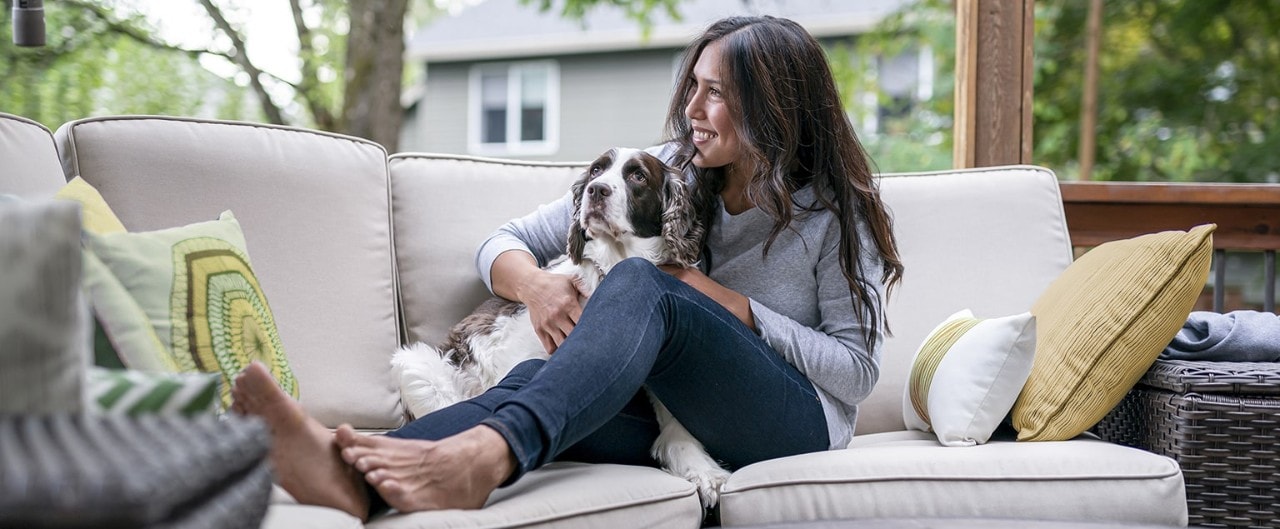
(589, 41)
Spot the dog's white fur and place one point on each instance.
(602, 236)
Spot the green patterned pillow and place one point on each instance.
(195, 287)
(127, 392)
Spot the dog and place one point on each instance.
(626, 204)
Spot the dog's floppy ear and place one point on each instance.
(681, 229)
(578, 236)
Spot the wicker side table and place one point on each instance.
(1219, 421)
(70, 471)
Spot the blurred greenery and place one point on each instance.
(1187, 91)
(89, 68)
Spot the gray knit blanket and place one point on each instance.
(1237, 336)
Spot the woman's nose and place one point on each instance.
(693, 108)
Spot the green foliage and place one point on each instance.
(1187, 89)
(88, 69)
(639, 10)
(919, 137)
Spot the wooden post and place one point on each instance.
(993, 112)
(1089, 104)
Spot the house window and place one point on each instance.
(902, 82)
(514, 108)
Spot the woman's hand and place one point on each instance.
(554, 303)
(736, 303)
(553, 300)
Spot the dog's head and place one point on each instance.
(627, 196)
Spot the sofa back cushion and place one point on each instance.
(989, 240)
(28, 160)
(444, 207)
(315, 212)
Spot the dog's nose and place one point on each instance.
(599, 189)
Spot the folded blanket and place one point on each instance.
(1237, 336)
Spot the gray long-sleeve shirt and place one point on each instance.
(799, 296)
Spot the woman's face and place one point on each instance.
(713, 125)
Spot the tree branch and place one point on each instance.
(308, 85)
(241, 58)
(135, 33)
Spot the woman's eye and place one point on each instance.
(714, 92)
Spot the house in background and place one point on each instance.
(503, 79)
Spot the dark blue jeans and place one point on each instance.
(643, 328)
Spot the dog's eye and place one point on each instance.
(637, 177)
(596, 170)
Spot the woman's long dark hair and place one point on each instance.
(793, 132)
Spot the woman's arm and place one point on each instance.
(510, 262)
(834, 354)
(553, 300)
(728, 298)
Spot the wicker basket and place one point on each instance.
(1219, 421)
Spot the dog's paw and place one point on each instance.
(708, 480)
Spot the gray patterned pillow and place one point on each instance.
(44, 332)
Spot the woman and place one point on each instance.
(780, 327)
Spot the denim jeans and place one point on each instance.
(644, 329)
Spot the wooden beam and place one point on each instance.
(966, 82)
(1247, 215)
(994, 52)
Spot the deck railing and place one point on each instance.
(1247, 215)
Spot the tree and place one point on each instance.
(1187, 89)
(350, 57)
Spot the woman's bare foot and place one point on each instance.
(457, 472)
(306, 459)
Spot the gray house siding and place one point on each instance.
(606, 100)
(609, 100)
(441, 118)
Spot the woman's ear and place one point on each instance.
(681, 229)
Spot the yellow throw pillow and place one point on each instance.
(122, 334)
(1103, 322)
(94, 211)
(195, 286)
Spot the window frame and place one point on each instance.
(550, 143)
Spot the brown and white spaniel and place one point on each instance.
(626, 204)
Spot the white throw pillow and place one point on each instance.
(966, 376)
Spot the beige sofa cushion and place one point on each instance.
(315, 209)
(570, 495)
(909, 475)
(293, 516)
(30, 161)
(444, 207)
(989, 240)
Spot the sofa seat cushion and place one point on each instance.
(574, 495)
(294, 516)
(908, 474)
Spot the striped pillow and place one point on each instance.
(966, 376)
(127, 392)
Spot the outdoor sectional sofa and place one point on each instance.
(359, 252)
